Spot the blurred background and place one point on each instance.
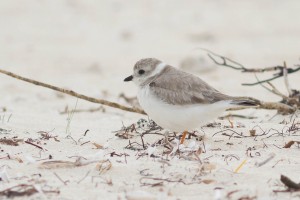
(90, 46)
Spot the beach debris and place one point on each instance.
(156, 181)
(19, 190)
(236, 116)
(57, 164)
(291, 185)
(54, 164)
(98, 146)
(23, 190)
(171, 143)
(31, 142)
(86, 175)
(47, 136)
(240, 166)
(252, 132)
(103, 166)
(291, 143)
(292, 130)
(73, 93)
(270, 157)
(290, 103)
(14, 141)
(231, 157)
(208, 181)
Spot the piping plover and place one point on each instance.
(176, 100)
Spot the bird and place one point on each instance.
(177, 100)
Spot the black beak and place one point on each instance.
(129, 78)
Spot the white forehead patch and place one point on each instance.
(158, 68)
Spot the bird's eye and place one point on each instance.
(141, 71)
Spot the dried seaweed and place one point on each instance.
(22, 190)
(14, 141)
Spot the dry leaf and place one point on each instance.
(252, 133)
(208, 181)
(98, 146)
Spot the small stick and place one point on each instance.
(274, 90)
(84, 177)
(75, 94)
(240, 166)
(277, 163)
(143, 142)
(64, 182)
(280, 107)
(237, 116)
(183, 137)
(283, 71)
(98, 146)
(84, 143)
(87, 130)
(271, 156)
(34, 145)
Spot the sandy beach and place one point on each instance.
(50, 151)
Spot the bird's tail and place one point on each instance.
(245, 101)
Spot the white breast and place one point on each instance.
(177, 117)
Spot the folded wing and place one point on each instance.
(181, 88)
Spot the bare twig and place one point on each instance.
(58, 177)
(293, 98)
(84, 177)
(280, 107)
(72, 93)
(227, 62)
(237, 116)
(289, 183)
(276, 91)
(160, 182)
(28, 142)
(271, 156)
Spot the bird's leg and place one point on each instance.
(183, 137)
(231, 123)
(167, 140)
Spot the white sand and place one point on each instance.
(91, 46)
